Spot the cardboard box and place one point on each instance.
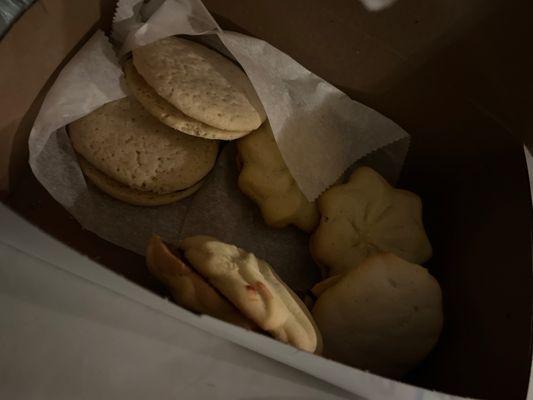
(454, 75)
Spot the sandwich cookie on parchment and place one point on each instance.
(254, 289)
(200, 83)
(130, 155)
(167, 113)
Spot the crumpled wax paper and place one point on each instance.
(319, 130)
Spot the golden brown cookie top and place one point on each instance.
(201, 83)
(365, 216)
(167, 113)
(129, 145)
(265, 178)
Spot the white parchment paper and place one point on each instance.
(319, 130)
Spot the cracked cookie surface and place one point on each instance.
(167, 113)
(201, 83)
(129, 145)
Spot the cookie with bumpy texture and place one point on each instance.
(201, 83)
(384, 315)
(129, 145)
(132, 196)
(168, 114)
(253, 287)
(189, 289)
(365, 216)
(265, 178)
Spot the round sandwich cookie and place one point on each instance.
(127, 144)
(167, 113)
(201, 83)
(384, 315)
(254, 289)
(189, 289)
(134, 197)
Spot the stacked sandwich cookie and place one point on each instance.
(211, 277)
(194, 89)
(157, 146)
(383, 315)
(131, 156)
(188, 288)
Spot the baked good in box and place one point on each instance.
(255, 289)
(265, 178)
(365, 216)
(201, 83)
(188, 288)
(125, 144)
(384, 315)
(167, 113)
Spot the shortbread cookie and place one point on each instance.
(253, 287)
(384, 315)
(201, 83)
(366, 216)
(130, 146)
(264, 178)
(167, 113)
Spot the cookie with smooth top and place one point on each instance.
(132, 196)
(189, 289)
(254, 288)
(384, 315)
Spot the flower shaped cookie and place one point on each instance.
(266, 180)
(367, 216)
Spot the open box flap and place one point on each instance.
(22, 235)
(94, 343)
